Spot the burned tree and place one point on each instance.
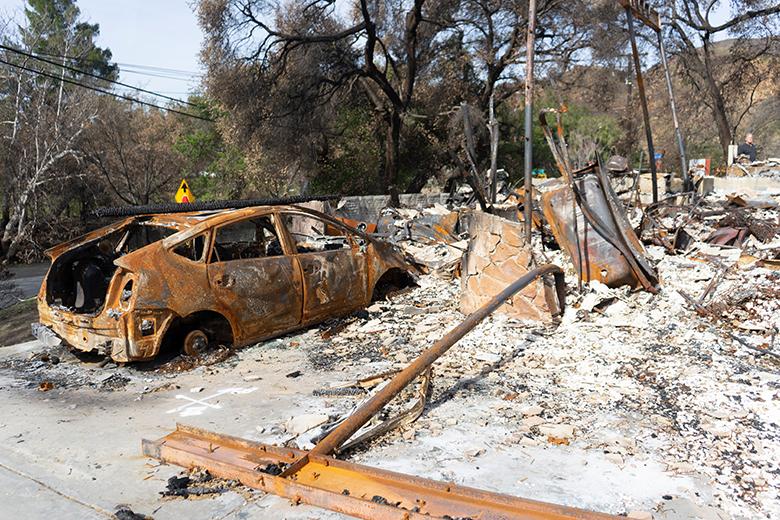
(132, 150)
(724, 81)
(379, 47)
(44, 117)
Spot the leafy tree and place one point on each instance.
(54, 30)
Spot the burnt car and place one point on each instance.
(192, 280)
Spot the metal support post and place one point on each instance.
(643, 99)
(529, 108)
(678, 134)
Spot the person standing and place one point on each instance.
(748, 148)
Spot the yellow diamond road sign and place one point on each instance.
(184, 194)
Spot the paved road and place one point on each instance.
(28, 277)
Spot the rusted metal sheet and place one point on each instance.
(588, 222)
(249, 294)
(353, 489)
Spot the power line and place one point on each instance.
(102, 91)
(83, 59)
(157, 75)
(79, 71)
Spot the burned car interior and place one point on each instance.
(252, 238)
(311, 235)
(78, 280)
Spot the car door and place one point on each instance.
(333, 264)
(253, 279)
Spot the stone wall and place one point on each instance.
(496, 257)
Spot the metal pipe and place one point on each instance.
(209, 205)
(643, 99)
(493, 127)
(677, 132)
(371, 407)
(529, 108)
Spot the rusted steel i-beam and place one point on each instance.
(640, 83)
(529, 109)
(371, 407)
(352, 489)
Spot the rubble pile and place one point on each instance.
(769, 168)
(429, 236)
(634, 377)
(672, 384)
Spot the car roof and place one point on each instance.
(191, 224)
(187, 224)
(184, 221)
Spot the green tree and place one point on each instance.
(54, 30)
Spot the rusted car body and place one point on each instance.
(235, 277)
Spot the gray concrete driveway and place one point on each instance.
(28, 278)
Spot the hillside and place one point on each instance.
(605, 90)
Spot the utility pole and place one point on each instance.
(529, 108)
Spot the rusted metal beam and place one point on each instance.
(687, 185)
(642, 11)
(640, 83)
(371, 407)
(352, 489)
(529, 109)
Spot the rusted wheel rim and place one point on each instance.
(195, 343)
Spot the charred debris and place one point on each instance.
(626, 259)
(602, 254)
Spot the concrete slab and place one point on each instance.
(83, 446)
(22, 496)
(746, 185)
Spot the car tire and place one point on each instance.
(196, 342)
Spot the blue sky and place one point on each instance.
(157, 33)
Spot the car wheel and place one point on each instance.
(196, 343)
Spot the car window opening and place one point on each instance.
(191, 249)
(78, 281)
(247, 239)
(313, 235)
